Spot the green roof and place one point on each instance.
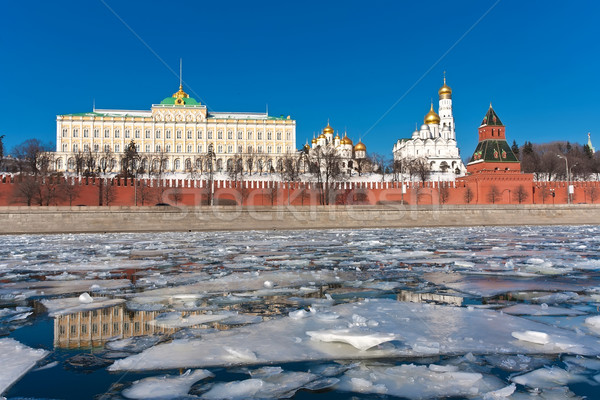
(190, 101)
(494, 151)
(491, 118)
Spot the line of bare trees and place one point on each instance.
(544, 162)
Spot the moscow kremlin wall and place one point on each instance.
(493, 177)
(472, 189)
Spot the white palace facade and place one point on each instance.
(180, 131)
(435, 140)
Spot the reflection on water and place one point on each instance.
(405, 295)
(94, 328)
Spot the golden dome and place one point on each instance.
(432, 117)
(322, 136)
(328, 129)
(346, 140)
(314, 141)
(337, 136)
(360, 146)
(445, 92)
(180, 94)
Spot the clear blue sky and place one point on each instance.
(349, 61)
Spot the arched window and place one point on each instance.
(158, 133)
(158, 148)
(59, 164)
(229, 135)
(127, 133)
(168, 134)
(229, 164)
(240, 135)
(189, 148)
(269, 135)
(219, 134)
(208, 135)
(219, 148)
(199, 134)
(178, 134)
(219, 165)
(199, 148)
(177, 164)
(189, 134)
(259, 135)
(168, 148)
(188, 164)
(249, 136)
(75, 148)
(278, 135)
(71, 163)
(178, 148)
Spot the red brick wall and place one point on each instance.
(194, 192)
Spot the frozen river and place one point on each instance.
(483, 313)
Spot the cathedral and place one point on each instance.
(349, 153)
(435, 140)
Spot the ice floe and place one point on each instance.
(165, 387)
(69, 305)
(16, 359)
(424, 329)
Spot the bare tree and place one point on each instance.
(325, 166)
(70, 190)
(31, 156)
(27, 189)
(176, 194)
(444, 194)
(130, 161)
(1, 151)
(544, 193)
(520, 195)
(420, 168)
(90, 164)
(144, 192)
(108, 192)
(50, 190)
(494, 194)
(592, 193)
(80, 159)
(289, 168)
(468, 195)
(272, 192)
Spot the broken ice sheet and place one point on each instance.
(543, 309)
(165, 387)
(54, 288)
(425, 329)
(71, 305)
(418, 381)
(487, 286)
(274, 386)
(17, 359)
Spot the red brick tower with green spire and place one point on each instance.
(493, 153)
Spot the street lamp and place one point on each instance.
(568, 180)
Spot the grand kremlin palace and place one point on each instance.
(179, 130)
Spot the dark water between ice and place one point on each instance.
(170, 281)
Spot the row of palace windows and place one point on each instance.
(168, 148)
(105, 328)
(260, 164)
(178, 134)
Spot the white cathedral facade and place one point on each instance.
(435, 140)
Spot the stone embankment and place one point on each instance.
(30, 220)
